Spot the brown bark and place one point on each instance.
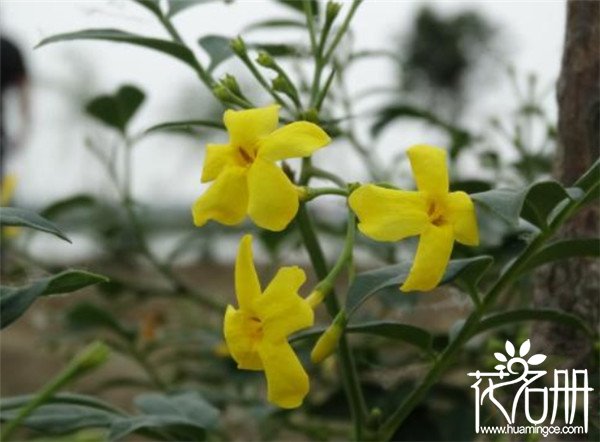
(573, 285)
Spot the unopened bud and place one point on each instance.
(222, 93)
(332, 11)
(328, 341)
(91, 356)
(316, 296)
(265, 60)
(238, 46)
(230, 82)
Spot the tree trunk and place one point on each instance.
(573, 285)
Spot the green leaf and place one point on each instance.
(522, 315)
(565, 249)
(66, 205)
(504, 203)
(152, 5)
(184, 126)
(14, 301)
(540, 201)
(186, 416)
(535, 204)
(299, 7)
(59, 398)
(177, 6)
(369, 283)
(173, 49)
(13, 216)
(274, 23)
(218, 49)
(116, 110)
(61, 418)
(85, 316)
(408, 333)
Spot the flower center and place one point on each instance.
(255, 328)
(247, 157)
(436, 214)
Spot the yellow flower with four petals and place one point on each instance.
(256, 333)
(438, 216)
(246, 178)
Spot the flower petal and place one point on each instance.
(280, 308)
(429, 168)
(389, 214)
(433, 254)
(225, 201)
(217, 158)
(247, 127)
(273, 200)
(287, 382)
(294, 140)
(242, 345)
(461, 214)
(247, 285)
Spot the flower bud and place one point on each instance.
(264, 59)
(222, 93)
(238, 46)
(332, 11)
(328, 341)
(230, 82)
(316, 296)
(91, 357)
(282, 84)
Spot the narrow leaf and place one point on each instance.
(13, 216)
(369, 283)
(410, 334)
(565, 249)
(173, 49)
(14, 301)
(522, 315)
(187, 125)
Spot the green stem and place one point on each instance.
(263, 82)
(320, 173)
(312, 193)
(88, 359)
(340, 33)
(388, 429)
(347, 365)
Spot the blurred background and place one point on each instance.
(473, 64)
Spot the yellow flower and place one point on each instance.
(256, 333)
(438, 216)
(246, 177)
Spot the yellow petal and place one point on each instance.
(287, 382)
(273, 200)
(225, 200)
(9, 183)
(461, 214)
(389, 214)
(218, 157)
(295, 140)
(241, 339)
(247, 285)
(280, 308)
(433, 254)
(429, 168)
(247, 127)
